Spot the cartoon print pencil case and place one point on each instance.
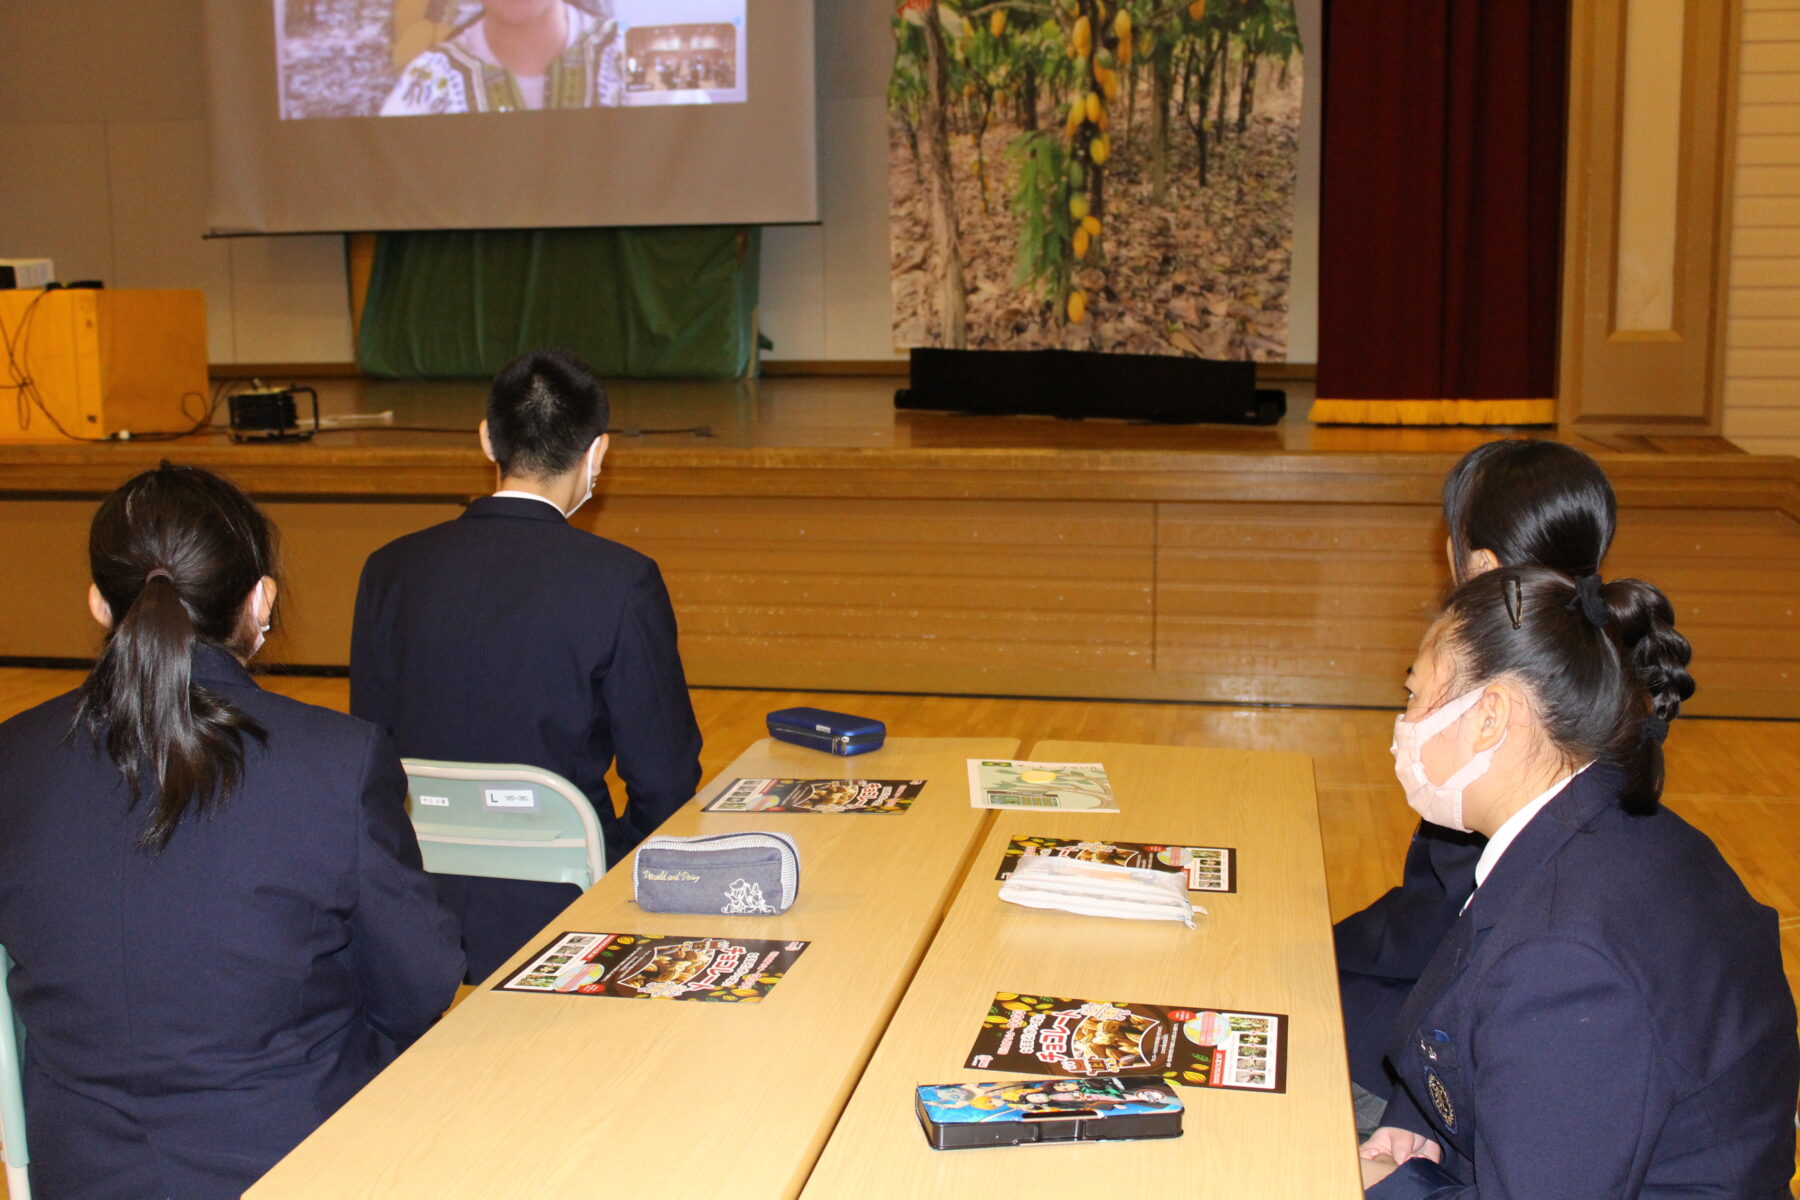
(832, 732)
(738, 874)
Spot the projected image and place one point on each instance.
(666, 63)
(397, 58)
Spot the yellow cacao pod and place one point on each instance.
(1078, 206)
(1098, 150)
(997, 22)
(1077, 306)
(1092, 225)
(1081, 243)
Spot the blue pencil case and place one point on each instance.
(832, 732)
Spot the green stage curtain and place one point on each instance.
(675, 303)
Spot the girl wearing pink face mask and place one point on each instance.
(1607, 1015)
(1511, 502)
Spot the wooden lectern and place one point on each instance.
(102, 362)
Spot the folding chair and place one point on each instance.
(505, 821)
(12, 1097)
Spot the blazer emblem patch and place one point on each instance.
(1440, 1097)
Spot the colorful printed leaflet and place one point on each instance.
(1191, 1046)
(1064, 787)
(644, 966)
(1208, 868)
(817, 796)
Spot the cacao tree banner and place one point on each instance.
(1085, 175)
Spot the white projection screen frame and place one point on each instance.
(748, 163)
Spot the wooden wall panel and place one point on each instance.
(1294, 578)
(790, 585)
(1762, 366)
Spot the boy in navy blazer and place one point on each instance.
(508, 635)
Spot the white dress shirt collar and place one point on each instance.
(1515, 824)
(509, 494)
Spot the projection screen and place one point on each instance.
(336, 115)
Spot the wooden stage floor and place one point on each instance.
(814, 537)
(857, 412)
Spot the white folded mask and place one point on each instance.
(1099, 890)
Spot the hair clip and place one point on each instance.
(1515, 600)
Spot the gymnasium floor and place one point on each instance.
(1737, 780)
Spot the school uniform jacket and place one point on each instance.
(191, 1015)
(509, 636)
(1607, 1019)
(1382, 950)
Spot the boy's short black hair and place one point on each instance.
(543, 411)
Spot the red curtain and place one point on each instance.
(1441, 203)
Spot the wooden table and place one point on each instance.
(1266, 948)
(517, 1095)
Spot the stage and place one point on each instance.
(815, 538)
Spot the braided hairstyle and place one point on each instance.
(174, 552)
(1602, 662)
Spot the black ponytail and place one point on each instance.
(1603, 664)
(1529, 502)
(174, 552)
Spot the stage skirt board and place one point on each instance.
(1120, 571)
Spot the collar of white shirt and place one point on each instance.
(1515, 824)
(509, 494)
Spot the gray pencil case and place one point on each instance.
(739, 874)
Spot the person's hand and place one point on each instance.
(1376, 1168)
(1400, 1145)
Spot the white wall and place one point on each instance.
(102, 116)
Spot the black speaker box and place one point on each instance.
(1082, 383)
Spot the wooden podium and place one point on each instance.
(103, 362)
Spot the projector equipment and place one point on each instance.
(271, 416)
(26, 272)
(1082, 383)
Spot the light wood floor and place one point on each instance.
(1737, 780)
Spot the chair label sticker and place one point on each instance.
(433, 801)
(509, 797)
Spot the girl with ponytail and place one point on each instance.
(1608, 1014)
(1510, 502)
(212, 895)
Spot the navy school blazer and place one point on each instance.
(1382, 950)
(1609, 1018)
(191, 1015)
(508, 635)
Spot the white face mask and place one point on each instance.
(1439, 803)
(262, 628)
(587, 465)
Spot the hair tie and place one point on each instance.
(1653, 729)
(1589, 601)
(158, 573)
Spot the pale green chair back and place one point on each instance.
(12, 1097)
(503, 820)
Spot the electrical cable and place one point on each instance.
(17, 346)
